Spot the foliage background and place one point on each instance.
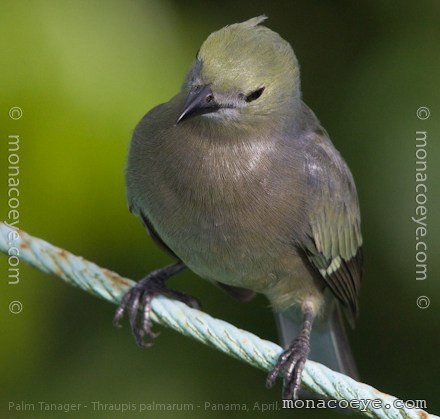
(85, 72)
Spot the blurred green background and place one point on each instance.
(85, 72)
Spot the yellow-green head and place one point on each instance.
(242, 69)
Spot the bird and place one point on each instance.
(236, 179)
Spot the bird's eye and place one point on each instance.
(255, 94)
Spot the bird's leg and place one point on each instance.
(140, 297)
(291, 362)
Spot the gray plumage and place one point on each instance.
(247, 190)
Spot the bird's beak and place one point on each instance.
(199, 101)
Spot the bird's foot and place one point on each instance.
(140, 296)
(291, 363)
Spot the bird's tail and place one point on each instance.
(329, 344)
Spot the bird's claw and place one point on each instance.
(140, 297)
(291, 363)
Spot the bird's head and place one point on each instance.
(242, 70)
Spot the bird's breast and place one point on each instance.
(222, 208)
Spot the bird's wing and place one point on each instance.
(334, 241)
(153, 234)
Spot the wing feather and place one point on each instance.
(335, 245)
